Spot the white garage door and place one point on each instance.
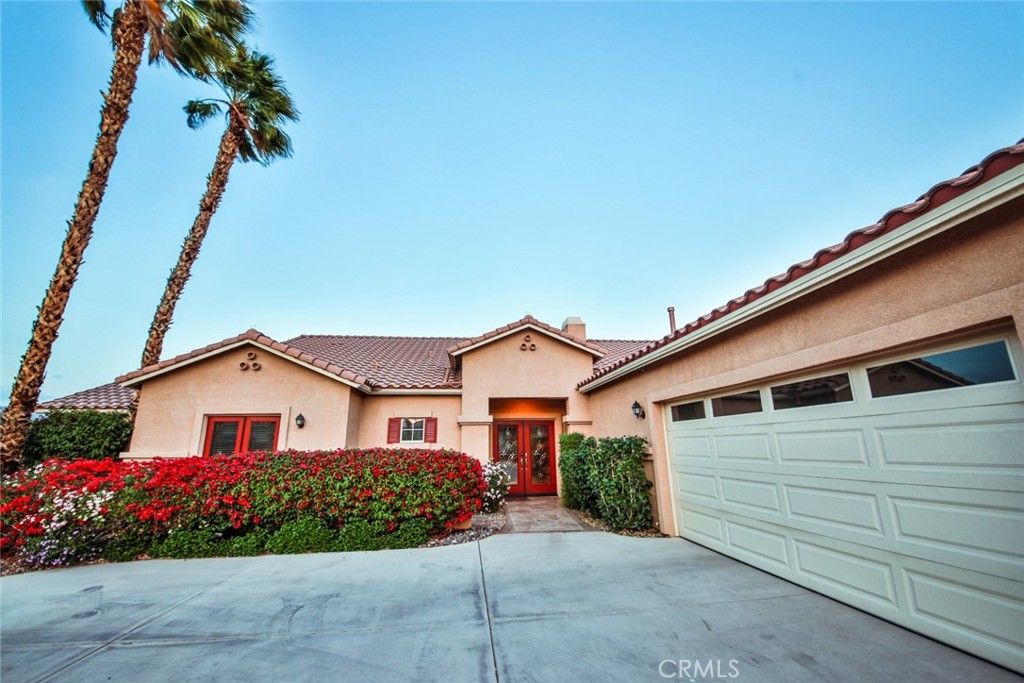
(896, 486)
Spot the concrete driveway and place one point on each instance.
(530, 607)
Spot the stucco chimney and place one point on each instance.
(575, 327)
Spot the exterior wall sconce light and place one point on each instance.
(638, 410)
(300, 421)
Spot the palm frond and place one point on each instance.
(260, 105)
(200, 111)
(206, 33)
(97, 12)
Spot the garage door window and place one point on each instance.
(812, 392)
(981, 364)
(688, 411)
(737, 404)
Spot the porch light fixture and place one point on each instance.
(638, 410)
(300, 421)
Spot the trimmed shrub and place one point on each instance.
(303, 535)
(617, 478)
(250, 544)
(186, 543)
(574, 467)
(61, 513)
(76, 434)
(605, 478)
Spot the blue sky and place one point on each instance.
(459, 165)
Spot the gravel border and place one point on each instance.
(484, 525)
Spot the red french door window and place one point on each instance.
(525, 449)
(230, 434)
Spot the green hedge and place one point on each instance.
(75, 434)
(574, 467)
(605, 478)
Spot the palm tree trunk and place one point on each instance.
(129, 36)
(216, 182)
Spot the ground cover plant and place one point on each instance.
(67, 512)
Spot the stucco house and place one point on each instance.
(855, 424)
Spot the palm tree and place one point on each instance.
(190, 35)
(255, 106)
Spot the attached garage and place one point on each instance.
(855, 424)
(893, 484)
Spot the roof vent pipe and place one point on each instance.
(672, 319)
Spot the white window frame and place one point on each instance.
(412, 429)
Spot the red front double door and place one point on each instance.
(526, 450)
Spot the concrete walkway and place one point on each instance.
(513, 607)
(541, 513)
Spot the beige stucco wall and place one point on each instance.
(502, 370)
(968, 277)
(376, 410)
(172, 407)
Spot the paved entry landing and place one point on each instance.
(541, 514)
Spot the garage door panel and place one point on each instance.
(699, 485)
(702, 527)
(814, 448)
(962, 528)
(954, 446)
(748, 447)
(869, 578)
(766, 545)
(759, 495)
(691, 447)
(976, 612)
(842, 508)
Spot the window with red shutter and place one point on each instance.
(412, 430)
(394, 429)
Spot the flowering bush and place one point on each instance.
(60, 513)
(497, 486)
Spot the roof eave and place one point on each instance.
(1003, 188)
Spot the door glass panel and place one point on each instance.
(961, 368)
(737, 404)
(261, 435)
(540, 455)
(508, 451)
(812, 392)
(224, 438)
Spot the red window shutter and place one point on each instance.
(394, 429)
(430, 430)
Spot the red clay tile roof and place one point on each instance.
(386, 362)
(528, 320)
(991, 166)
(105, 397)
(392, 362)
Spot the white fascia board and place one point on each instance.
(417, 392)
(230, 347)
(1001, 189)
(531, 326)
